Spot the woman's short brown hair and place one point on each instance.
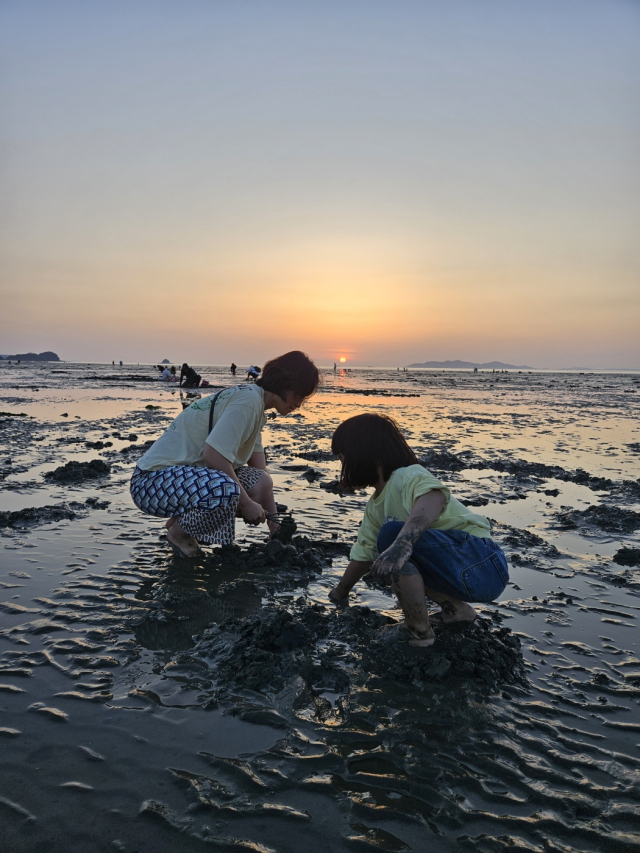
(367, 443)
(293, 371)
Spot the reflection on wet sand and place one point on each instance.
(152, 703)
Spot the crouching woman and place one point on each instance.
(209, 465)
(414, 533)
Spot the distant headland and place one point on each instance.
(32, 356)
(469, 365)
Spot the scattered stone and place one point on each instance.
(337, 488)
(316, 455)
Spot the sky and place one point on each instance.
(385, 182)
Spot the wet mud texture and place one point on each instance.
(264, 652)
(152, 703)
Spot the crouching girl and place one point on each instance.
(413, 532)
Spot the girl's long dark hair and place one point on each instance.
(366, 443)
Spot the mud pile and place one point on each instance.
(78, 472)
(322, 650)
(32, 516)
(611, 519)
(627, 557)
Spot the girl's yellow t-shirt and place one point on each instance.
(395, 502)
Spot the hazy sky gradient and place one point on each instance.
(386, 181)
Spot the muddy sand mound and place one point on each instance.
(78, 472)
(333, 650)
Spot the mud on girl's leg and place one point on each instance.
(409, 589)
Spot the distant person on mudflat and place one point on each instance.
(165, 374)
(414, 532)
(209, 466)
(188, 377)
(253, 372)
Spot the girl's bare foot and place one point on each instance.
(401, 632)
(338, 594)
(461, 613)
(184, 544)
(453, 610)
(170, 522)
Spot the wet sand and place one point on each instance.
(150, 703)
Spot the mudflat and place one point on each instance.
(152, 703)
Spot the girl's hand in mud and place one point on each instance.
(252, 512)
(389, 563)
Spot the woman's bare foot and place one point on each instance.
(182, 542)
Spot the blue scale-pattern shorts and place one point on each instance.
(203, 500)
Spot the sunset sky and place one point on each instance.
(387, 182)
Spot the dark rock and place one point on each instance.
(36, 515)
(443, 460)
(316, 455)
(77, 472)
(611, 519)
(627, 557)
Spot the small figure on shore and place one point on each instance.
(335, 367)
(209, 465)
(234, 367)
(188, 377)
(253, 372)
(165, 374)
(414, 532)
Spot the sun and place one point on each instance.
(342, 359)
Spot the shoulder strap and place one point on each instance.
(213, 402)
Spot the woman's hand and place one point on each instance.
(389, 563)
(252, 512)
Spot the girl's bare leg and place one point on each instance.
(409, 589)
(453, 610)
(170, 522)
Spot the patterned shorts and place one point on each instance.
(204, 501)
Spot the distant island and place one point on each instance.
(32, 356)
(469, 365)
